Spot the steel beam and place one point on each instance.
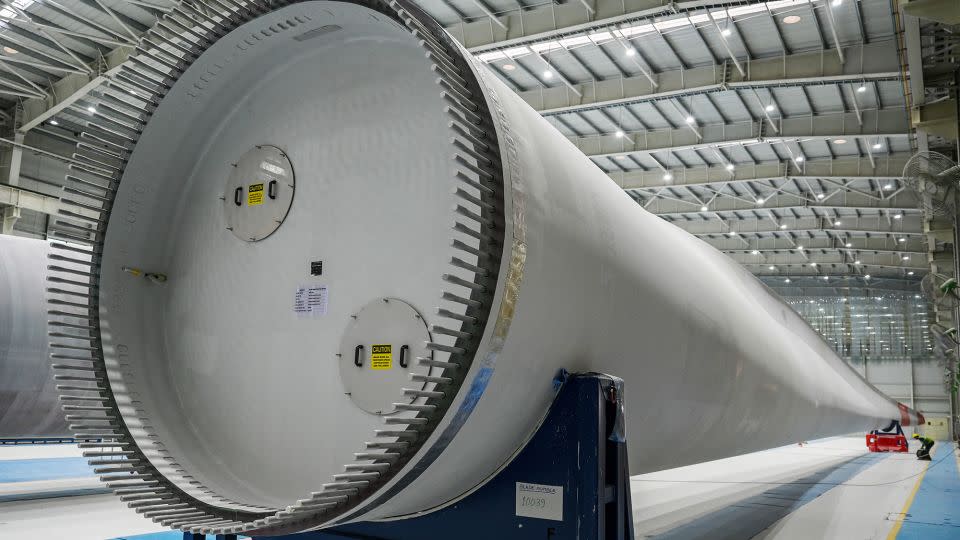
(8, 218)
(811, 247)
(69, 89)
(787, 240)
(646, 146)
(16, 159)
(739, 211)
(826, 266)
(572, 24)
(802, 225)
(911, 36)
(810, 68)
(835, 124)
(887, 170)
(30, 200)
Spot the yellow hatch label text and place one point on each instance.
(255, 194)
(382, 357)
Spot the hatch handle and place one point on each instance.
(357, 360)
(403, 355)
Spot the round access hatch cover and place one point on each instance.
(378, 354)
(258, 193)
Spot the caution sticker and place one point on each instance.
(255, 194)
(382, 357)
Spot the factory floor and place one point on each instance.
(829, 489)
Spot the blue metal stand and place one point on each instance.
(573, 474)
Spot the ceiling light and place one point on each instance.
(703, 208)
(905, 258)
(888, 186)
(840, 141)
(848, 244)
(897, 216)
(729, 166)
(667, 176)
(732, 233)
(769, 108)
(690, 119)
(54, 122)
(856, 262)
(877, 146)
(916, 296)
(820, 195)
(548, 74)
(772, 267)
(619, 134)
(798, 159)
(837, 223)
(726, 32)
(508, 67)
(786, 280)
(903, 240)
(836, 2)
(910, 273)
(813, 264)
(91, 109)
(755, 252)
(783, 226)
(862, 88)
(791, 19)
(760, 201)
(799, 248)
(630, 52)
(826, 278)
(866, 276)
(10, 50)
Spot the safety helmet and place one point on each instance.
(916, 435)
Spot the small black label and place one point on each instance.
(316, 268)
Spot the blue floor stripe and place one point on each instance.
(935, 512)
(753, 515)
(29, 470)
(165, 535)
(56, 494)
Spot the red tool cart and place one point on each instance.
(890, 439)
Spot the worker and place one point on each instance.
(927, 445)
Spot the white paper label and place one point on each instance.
(310, 301)
(540, 501)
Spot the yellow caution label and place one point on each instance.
(255, 194)
(382, 357)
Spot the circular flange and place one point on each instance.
(378, 353)
(258, 193)
(216, 474)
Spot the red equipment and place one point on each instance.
(887, 440)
